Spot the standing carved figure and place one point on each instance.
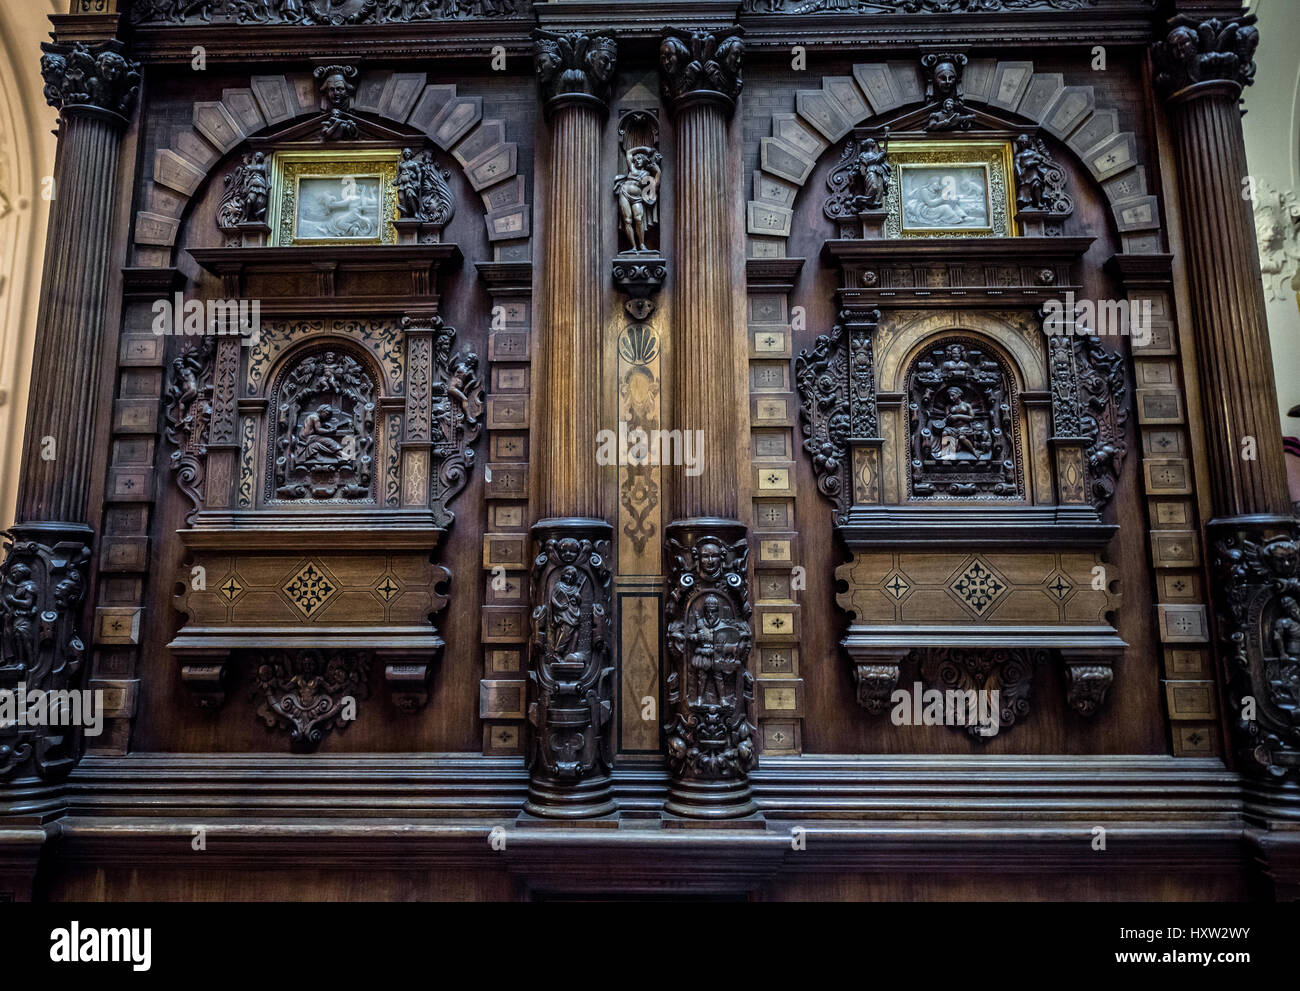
(1030, 161)
(337, 89)
(638, 195)
(871, 170)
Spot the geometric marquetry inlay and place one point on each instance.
(310, 588)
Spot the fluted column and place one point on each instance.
(43, 579)
(710, 735)
(571, 667)
(1202, 66)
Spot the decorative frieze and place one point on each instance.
(332, 13)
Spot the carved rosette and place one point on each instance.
(188, 416)
(43, 584)
(711, 740)
(79, 76)
(696, 66)
(835, 379)
(571, 673)
(1256, 565)
(1210, 51)
(575, 67)
(308, 693)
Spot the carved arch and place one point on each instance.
(454, 123)
(883, 90)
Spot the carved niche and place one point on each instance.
(640, 267)
(323, 433)
(710, 692)
(963, 436)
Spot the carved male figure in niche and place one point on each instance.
(318, 446)
(1285, 675)
(325, 433)
(638, 195)
(19, 600)
(337, 89)
(871, 170)
(566, 613)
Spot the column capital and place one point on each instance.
(1202, 57)
(81, 77)
(575, 67)
(699, 66)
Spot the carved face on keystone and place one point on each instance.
(710, 555)
(945, 78)
(336, 91)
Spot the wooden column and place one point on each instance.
(571, 668)
(711, 738)
(43, 579)
(1202, 66)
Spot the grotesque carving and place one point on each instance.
(83, 75)
(571, 674)
(42, 588)
(575, 65)
(423, 192)
(323, 442)
(1040, 182)
(310, 692)
(1206, 51)
(861, 180)
(1257, 570)
(943, 89)
(189, 417)
(245, 197)
(962, 674)
(337, 87)
(710, 690)
(695, 62)
(962, 424)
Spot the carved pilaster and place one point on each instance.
(571, 673)
(711, 739)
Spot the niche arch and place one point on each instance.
(1011, 90)
(452, 122)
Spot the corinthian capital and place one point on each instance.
(696, 65)
(81, 75)
(575, 67)
(1205, 52)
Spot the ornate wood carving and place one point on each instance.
(1040, 182)
(324, 430)
(43, 583)
(98, 76)
(710, 736)
(422, 190)
(944, 91)
(246, 197)
(908, 6)
(335, 13)
(575, 67)
(835, 380)
(1103, 414)
(1009, 672)
(1257, 571)
(640, 268)
(337, 88)
(963, 435)
(571, 676)
(189, 416)
(308, 693)
(696, 63)
(859, 184)
(1206, 51)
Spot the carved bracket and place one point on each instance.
(308, 693)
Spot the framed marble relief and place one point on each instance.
(333, 197)
(949, 189)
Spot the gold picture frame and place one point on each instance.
(334, 197)
(958, 188)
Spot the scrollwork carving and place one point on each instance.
(188, 417)
(308, 693)
(1008, 672)
(423, 192)
(455, 413)
(246, 194)
(1257, 573)
(860, 181)
(1103, 414)
(1040, 182)
(43, 583)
